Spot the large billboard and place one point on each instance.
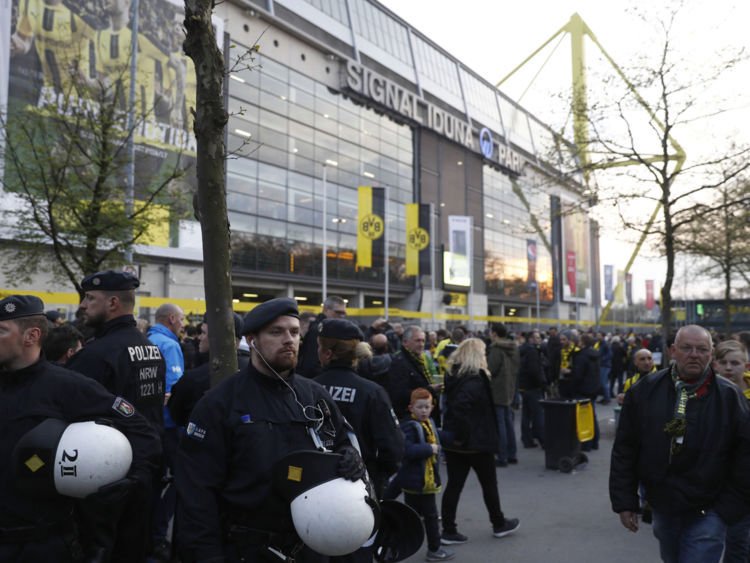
(576, 258)
(73, 58)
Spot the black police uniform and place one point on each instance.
(121, 358)
(236, 433)
(42, 529)
(367, 408)
(192, 386)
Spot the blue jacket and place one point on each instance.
(417, 454)
(170, 349)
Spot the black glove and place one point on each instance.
(113, 493)
(351, 466)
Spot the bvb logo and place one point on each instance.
(418, 239)
(371, 226)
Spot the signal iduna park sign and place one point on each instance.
(367, 84)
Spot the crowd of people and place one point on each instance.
(395, 404)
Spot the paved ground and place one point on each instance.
(565, 518)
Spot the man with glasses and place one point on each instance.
(683, 434)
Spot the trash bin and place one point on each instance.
(566, 425)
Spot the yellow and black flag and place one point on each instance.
(417, 239)
(370, 227)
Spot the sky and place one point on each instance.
(492, 38)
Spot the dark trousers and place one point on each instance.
(165, 494)
(426, 507)
(532, 417)
(458, 466)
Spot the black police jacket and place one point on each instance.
(123, 360)
(368, 409)
(469, 421)
(41, 391)
(236, 433)
(701, 476)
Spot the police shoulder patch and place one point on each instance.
(394, 417)
(195, 431)
(123, 407)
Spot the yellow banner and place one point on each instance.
(370, 227)
(412, 251)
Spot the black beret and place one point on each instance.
(341, 329)
(52, 315)
(18, 306)
(266, 312)
(110, 280)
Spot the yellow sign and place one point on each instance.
(294, 473)
(34, 463)
(371, 226)
(418, 239)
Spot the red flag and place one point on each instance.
(570, 260)
(649, 295)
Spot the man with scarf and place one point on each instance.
(409, 371)
(684, 434)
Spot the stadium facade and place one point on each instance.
(343, 94)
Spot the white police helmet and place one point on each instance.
(332, 516)
(74, 460)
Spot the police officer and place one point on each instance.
(32, 390)
(238, 431)
(122, 359)
(365, 404)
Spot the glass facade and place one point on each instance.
(511, 218)
(283, 127)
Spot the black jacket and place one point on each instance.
(41, 391)
(308, 363)
(702, 475)
(192, 386)
(128, 365)
(469, 421)
(405, 376)
(236, 434)
(368, 409)
(531, 372)
(585, 374)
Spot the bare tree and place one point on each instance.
(632, 146)
(718, 232)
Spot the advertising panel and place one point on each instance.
(70, 70)
(576, 258)
(457, 261)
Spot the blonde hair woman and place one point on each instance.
(470, 439)
(469, 357)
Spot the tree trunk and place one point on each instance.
(666, 290)
(211, 202)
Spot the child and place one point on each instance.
(419, 476)
(731, 361)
